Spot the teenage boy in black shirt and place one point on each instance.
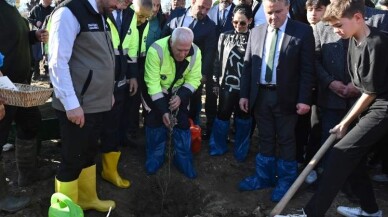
(368, 69)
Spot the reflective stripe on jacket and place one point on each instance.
(160, 70)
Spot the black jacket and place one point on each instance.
(204, 36)
(16, 38)
(228, 64)
(39, 13)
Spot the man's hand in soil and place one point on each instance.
(166, 120)
(175, 102)
(76, 116)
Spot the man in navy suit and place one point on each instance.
(222, 15)
(204, 29)
(276, 86)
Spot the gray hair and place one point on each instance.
(287, 2)
(182, 34)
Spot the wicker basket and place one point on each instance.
(26, 95)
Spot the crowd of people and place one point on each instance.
(295, 70)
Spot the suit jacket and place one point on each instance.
(295, 70)
(126, 19)
(330, 66)
(377, 18)
(214, 15)
(122, 67)
(204, 36)
(255, 7)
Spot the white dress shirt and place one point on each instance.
(114, 13)
(63, 32)
(266, 49)
(227, 9)
(188, 19)
(260, 16)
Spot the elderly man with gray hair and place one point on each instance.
(172, 74)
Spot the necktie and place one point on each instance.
(222, 17)
(271, 57)
(192, 24)
(118, 20)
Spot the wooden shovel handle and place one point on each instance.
(299, 181)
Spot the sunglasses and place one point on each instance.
(242, 23)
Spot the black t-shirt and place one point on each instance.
(368, 64)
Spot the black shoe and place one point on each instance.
(206, 135)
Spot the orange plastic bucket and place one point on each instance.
(196, 139)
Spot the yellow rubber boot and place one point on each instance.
(109, 170)
(87, 194)
(69, 189)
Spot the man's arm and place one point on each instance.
(208, 52)
(325, 79)
(361, 105)
(246, 77)
(154, 89)
(307, 72)
(63, 32)
(192, 80)
(217, 66)
(152, 80)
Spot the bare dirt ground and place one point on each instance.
(213, 194)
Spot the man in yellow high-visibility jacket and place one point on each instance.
(172, 74)
(125, 40)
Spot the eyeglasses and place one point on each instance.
(242, 23)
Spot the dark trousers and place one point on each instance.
(229, 103)
(133, 112)
(210, 104)
(79, 145)
(110, 133)
(315, 137)
(346, 162)
(329, 118)
(275, 127)
(380, 152)
(308, 133)
(196, 105)
(27, 122)
(302, 132)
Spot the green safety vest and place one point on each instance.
(130, 44)
(160, 69)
